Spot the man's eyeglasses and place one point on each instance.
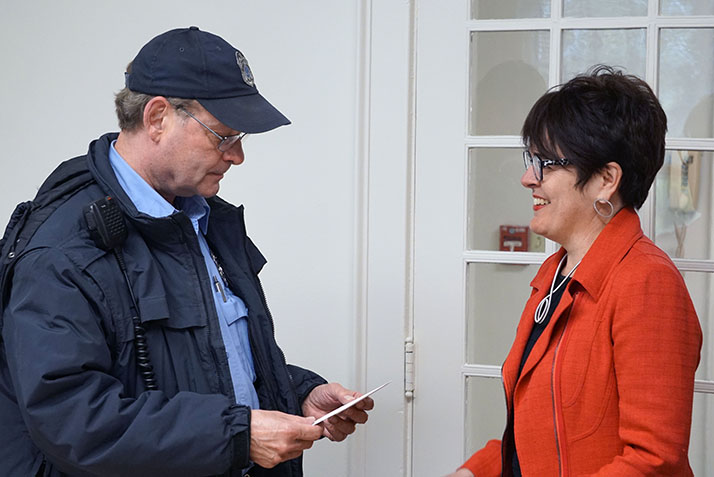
(227, 142)
(538, 164)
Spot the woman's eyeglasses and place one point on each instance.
(538, 164)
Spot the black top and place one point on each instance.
(535, 334)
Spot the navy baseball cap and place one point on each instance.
(193, 64)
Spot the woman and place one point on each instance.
(600, 378)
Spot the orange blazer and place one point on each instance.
(608, 386)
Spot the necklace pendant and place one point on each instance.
(544, 306)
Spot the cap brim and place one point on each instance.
(250, 114)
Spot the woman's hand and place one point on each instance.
(461, 473)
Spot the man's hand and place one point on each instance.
(276, 437)
(461, 473)
(327, 397)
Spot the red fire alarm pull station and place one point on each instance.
(513, 238)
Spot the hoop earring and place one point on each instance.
(604, 201)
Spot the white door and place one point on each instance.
(480, 65)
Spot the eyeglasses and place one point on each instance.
(538, 164)
(227, 142)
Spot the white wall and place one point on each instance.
(62, 62)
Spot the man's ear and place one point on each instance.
(156, 115)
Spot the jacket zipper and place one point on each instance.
(272, 322)
(509, 410)
(557, 425)
(272, 327)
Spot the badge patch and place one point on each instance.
(245, 69)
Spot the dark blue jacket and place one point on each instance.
(71, 399)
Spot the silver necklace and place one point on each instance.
(542, 309)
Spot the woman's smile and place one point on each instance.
(539, 202)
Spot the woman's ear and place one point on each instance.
(610, 177)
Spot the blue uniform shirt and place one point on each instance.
(232, 312)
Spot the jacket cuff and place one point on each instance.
(304, 381)
(238, 418)
(487, 461)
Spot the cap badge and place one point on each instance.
(245, 69)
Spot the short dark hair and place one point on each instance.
(599, 117)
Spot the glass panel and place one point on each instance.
(491, 9)
(686, 81)
(625, 49)
(509, 72)
(701, 289)
(701, 440)
(485, 412)
(604, 8)
(684, 216)
(687, 7)
(496, 199)
(495, 296)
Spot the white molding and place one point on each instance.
(389, 234)
(493, 141)
(481, 370)
(509, 24)
(410, 232)
(705, 387)
(486, 371)
(589, 23)
(496, 256)
(686, 22)
(690, 144)
(358, 450)
(694, 265)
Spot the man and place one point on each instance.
(136, 338)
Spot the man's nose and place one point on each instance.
(235, 154)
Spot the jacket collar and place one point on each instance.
(100, 167)
(604, 254)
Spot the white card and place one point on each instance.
(348, 405)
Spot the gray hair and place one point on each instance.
(130, 106)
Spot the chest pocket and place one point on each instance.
(172, 315)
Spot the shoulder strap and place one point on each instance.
(69, 178)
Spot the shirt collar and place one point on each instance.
(149, 202)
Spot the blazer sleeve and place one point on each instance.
(77, 413)
(656, 342)
(487, 461)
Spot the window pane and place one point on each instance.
(701, 289)
(496, 198)
(604, 8)
(687, 7)
(683, 204)
(686, 81)
(626, 49)
(491, 9)
(485, 412)
(701, 442)
(509, 72)
(495, 296)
